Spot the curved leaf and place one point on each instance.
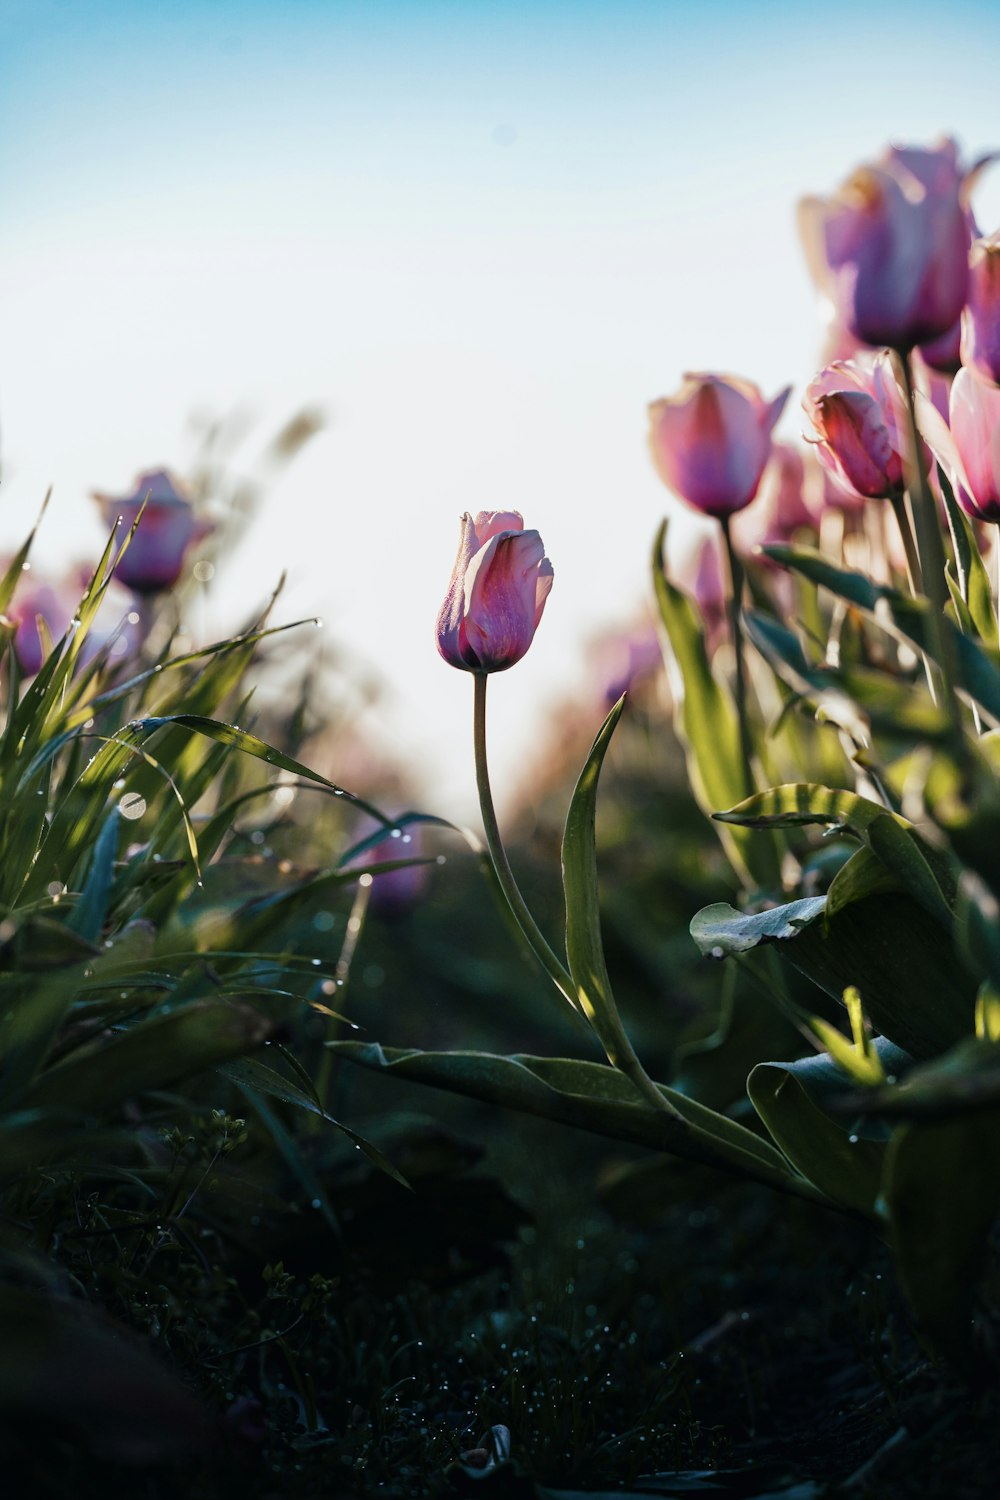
(152, 1055)
(706, 723)
(590, 1096)
(787, 1097)
(584, 948)
(721, 931)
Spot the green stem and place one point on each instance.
(932, 560)
(556, 971)
(916, 581)
(342, 974)
(736, 581)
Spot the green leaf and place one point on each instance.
(588, 1095)
(925, 871)
(31, 1013)
(254, 1076)
(153, 1054)
(15, 568)
(973, 579)
(721, 931)
(916, 991)
(854, 697)
(88, 915)
(789, 1098)
(706, 724)
(863, 875)
(965, 1080)
(942, 1195)
(584, 949)
(978, 665)
(856, 1055)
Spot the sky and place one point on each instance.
(481, 237)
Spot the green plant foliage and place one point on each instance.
(584, 948)
(790, 1099)
(587, 1095)
(942, 1195)
(706, 721)
(907, 618)
(922, 870)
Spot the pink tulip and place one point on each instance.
(890, 248)
(969, 451)
(711, 440)
(55, 606)
(499, 585)
(396, 892)
(856, 410)
(623, 660)
(981, 319)
(156, 553)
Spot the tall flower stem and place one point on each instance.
(533, 935)
(736, 582)
(932, 559)
(906, 536)
(621, 1055)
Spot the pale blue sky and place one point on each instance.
(484, 236)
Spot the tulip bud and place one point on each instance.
(890, 248)
(981, 319)
(156, 553)
(856, 410)
(499, 585)
(711, 441)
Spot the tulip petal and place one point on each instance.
(506, 586)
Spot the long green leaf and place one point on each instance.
(588, 1095)
(584, 948)
(258, 1078)
(153, 1054)
(706, 723)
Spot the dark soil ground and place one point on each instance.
(635, 1327)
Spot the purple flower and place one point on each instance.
(711, 441)
(155, 555)
(890, 248)
(499, 585)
